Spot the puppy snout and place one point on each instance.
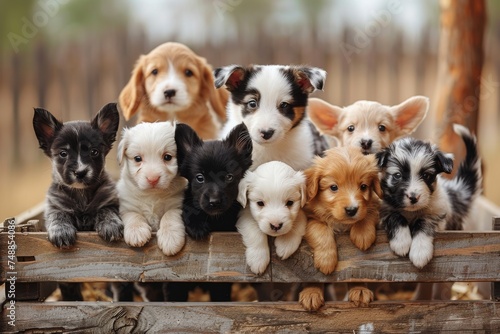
(366, 144)
(169, 93)
(413, 198)
(276, 227)
(267, 133)
(351, 211)
(214, 202)
(80, 174)
(153, 180)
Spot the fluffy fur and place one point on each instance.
(150, 189)
(340, 198)
(173, 83)
(271, 101)
(273, 196)
(417, 201)
(368, 125)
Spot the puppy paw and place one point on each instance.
(111, 229)
(401, 242)
(312, 298)
(360, 296)
(363, 239)
(422, 250)
(170, 242)
(325, 261)
(257, 259)
(286, 246)
(137, 234)
(62, 236)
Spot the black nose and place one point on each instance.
(80, 174)
(276, 227)
(366, 144)
(169, 93)
(413, 198)
(266, 134)
(214, 202)
(351, 211)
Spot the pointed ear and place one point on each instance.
(132, 94)
(122, 146)
(240, 139)
(312, 183)
(185, 139)
(382, 157)
(46, 127)
(324, 116)
(409, 114)
(243, 188)
(309, 79)
(216, 97)
(444, 162)
(229, 76)
(107, 121)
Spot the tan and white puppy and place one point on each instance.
(173, 83)
(150, 189)
(272, 196)
(369, 125)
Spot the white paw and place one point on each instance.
(286, 246)
(137, 234)
(257, 260)
(170, 242)
(401, 242)
(422, 250)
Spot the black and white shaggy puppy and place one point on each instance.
(82, 197)
(271, 100)
(417, 201)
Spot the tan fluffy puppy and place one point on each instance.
(173, 83)
(340, 198)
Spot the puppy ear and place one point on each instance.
(107, 121)
(324, 116)
(132, 94)
(382, 157)
(309, 79)
(376, 186)
(46, 127)
(444, 162)
(241, 140)
(216, 97)
(301, 180)
(409, 114)
(185, 139)
(230, 76)
(243, 188)
(312, 183)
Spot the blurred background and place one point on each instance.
(73, 56)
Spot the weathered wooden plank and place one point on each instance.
(459, 256)
(280, 317)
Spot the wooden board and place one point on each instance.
(278, 317)
(458, 256)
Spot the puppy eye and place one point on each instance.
(334, 188)
(94, 153)
(229, 177)
(283, 105)
(154, 72)
(363, 187)
(397, 176)
(137, 158)
(350, 128)
(289, 203)
(381, 128)
(427, 176)
(260, 203)
(63, 154)
(200, 178)
(188, 73)
(252, 104)
(167, 157)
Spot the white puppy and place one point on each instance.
(276, 195)
(150, 189)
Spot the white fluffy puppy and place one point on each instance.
(150, 189)
(276, 194)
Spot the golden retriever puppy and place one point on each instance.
(173, 83)
(340, 198)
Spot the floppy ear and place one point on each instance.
(240, 139)
(46, 127)
(122, 146)
(107, 121)
(309, 79)
(185, 139)
(324, 116)
(376, 186)
(216, 97)
(382, 157)
(132, 94)
(409, 114)
(243, 188)
(229, 76)
(312, 183)
(444, 162)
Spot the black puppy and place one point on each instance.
(82, 197)
(213, 170)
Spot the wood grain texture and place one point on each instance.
(458, 256)
(337, 317)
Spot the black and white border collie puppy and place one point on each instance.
(271, 101)
(417, 201)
